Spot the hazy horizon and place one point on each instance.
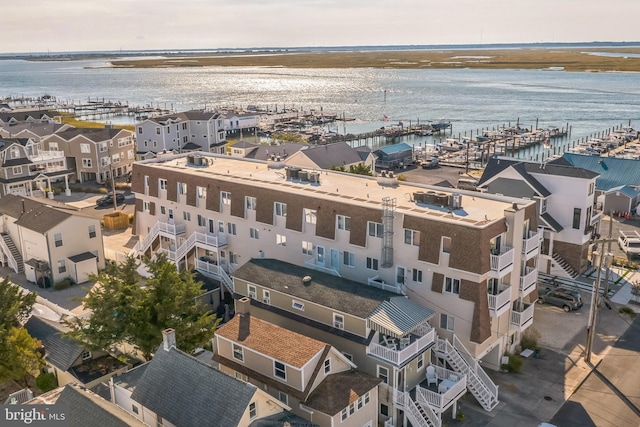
(114, 25)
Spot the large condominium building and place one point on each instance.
(468, 257)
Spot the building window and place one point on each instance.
(349, 259)
(297, 305)
(62, 267)
(221, 226)
(253, 294)
(225, 197)
(344, 222)
(86, 163)
(384, 410)
(452, 285)
(266, 297)
(163, 184)
(202, 221)
(344, 415)
(366, 398)
(135, 409)
(543, 206)
(592, 187)
(309, 216)
(186, 215)
(250, 203)
(280, 209)
(281, 240)
(446, 244)
(383, 374)
(375, 229)
(86, 355)
(283, 397)
(400, 275)
(411, 237)
(279, 370)
(58, 239)
(92, 231)
(201, 192)
(372, 264)
(338, 321)
(307, 248)
(238, 352)
(253, 233)
(348, 356)
(327, 366)
(360, 403)
(231, 228)
(352, 409)
(146, 206)
(421, 361)
(253, 410)
(241, 376)
(163, 210)
(182, 188)
(17, 170)
(417, 275)
(576, 217)
(446, 322)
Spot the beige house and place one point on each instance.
(468, 257)
(335, 155)
(98, 153)
(312, 377)
(49, 244)
(176, 389)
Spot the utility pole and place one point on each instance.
(595, 294)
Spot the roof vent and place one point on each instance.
(306, 280)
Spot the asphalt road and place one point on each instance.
(610, 395)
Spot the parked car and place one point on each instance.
(107, 199)
(564, 298)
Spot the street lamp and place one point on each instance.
(598, 258)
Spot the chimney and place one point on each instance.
(243, 306)
(168, 339)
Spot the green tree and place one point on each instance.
(15, 307)
(22, 358)
(360, 169)
(124, 309)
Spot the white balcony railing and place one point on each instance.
(172, 229)
(499, 303)
(213, 240)
(501, 262)
(381, 284)
(522, 315)
(215, 271)
(528, 281)
(441, 401)
(423, 339)
(47, 155)
(311, 263)
(531, 245)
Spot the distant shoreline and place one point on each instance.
(566, 59)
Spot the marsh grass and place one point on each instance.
(566, 59)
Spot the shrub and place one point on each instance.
(62, 285)
(514, 364)
(46, 382)
(402, 178)
(627, 310)
(460, 416)
(530, 339)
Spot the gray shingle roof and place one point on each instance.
(82, 257)
(336, 154)
(551, 222)
(189, 393)
(36, 216)
(88, 409)
(60, 352)
(331, 291)
(40, 129)
(129, 380)
(95, 135)
(263, 152)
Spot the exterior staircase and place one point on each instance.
(564, 265)
(419, 415)
(478, 382)
(13, 254)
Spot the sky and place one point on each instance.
(84, 25)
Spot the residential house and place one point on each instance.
(36, 131)
(174, 132)
(620, 201)
(99, 154)
(270, 152)
(394, 156)
(385, 334)
(175, 389)
(27, 169)
(35, 116)
(458, 253)
(611, 171)
(49, 244)
(568, 212)
(69, 360)
(312, 377)
(240, 123)
(327, 156)
(242, 148)
(83, 407)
